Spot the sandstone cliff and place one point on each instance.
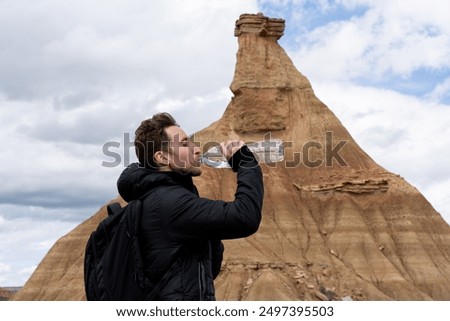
(335, 224)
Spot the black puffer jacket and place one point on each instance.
(181, 231)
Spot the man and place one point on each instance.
(180, 233)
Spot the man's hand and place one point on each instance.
(230, 147)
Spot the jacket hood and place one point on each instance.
(136, 180)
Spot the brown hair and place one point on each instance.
(151, 137)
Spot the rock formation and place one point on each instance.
(336, 224)
(5, 294)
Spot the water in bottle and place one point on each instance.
(267, 151)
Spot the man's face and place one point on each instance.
(184, 155)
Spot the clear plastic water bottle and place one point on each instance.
(266, 151)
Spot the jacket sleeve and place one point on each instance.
(188, 216)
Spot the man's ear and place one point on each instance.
(161, 158)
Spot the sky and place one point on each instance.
(76, 76)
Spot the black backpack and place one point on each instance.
(113, 266)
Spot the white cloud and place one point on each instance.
(4, 267)
(387, 39)
(21, 241)
(441, 91)
(92, 50)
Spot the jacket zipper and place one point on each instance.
(200, 283)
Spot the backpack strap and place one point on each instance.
(113, 208)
